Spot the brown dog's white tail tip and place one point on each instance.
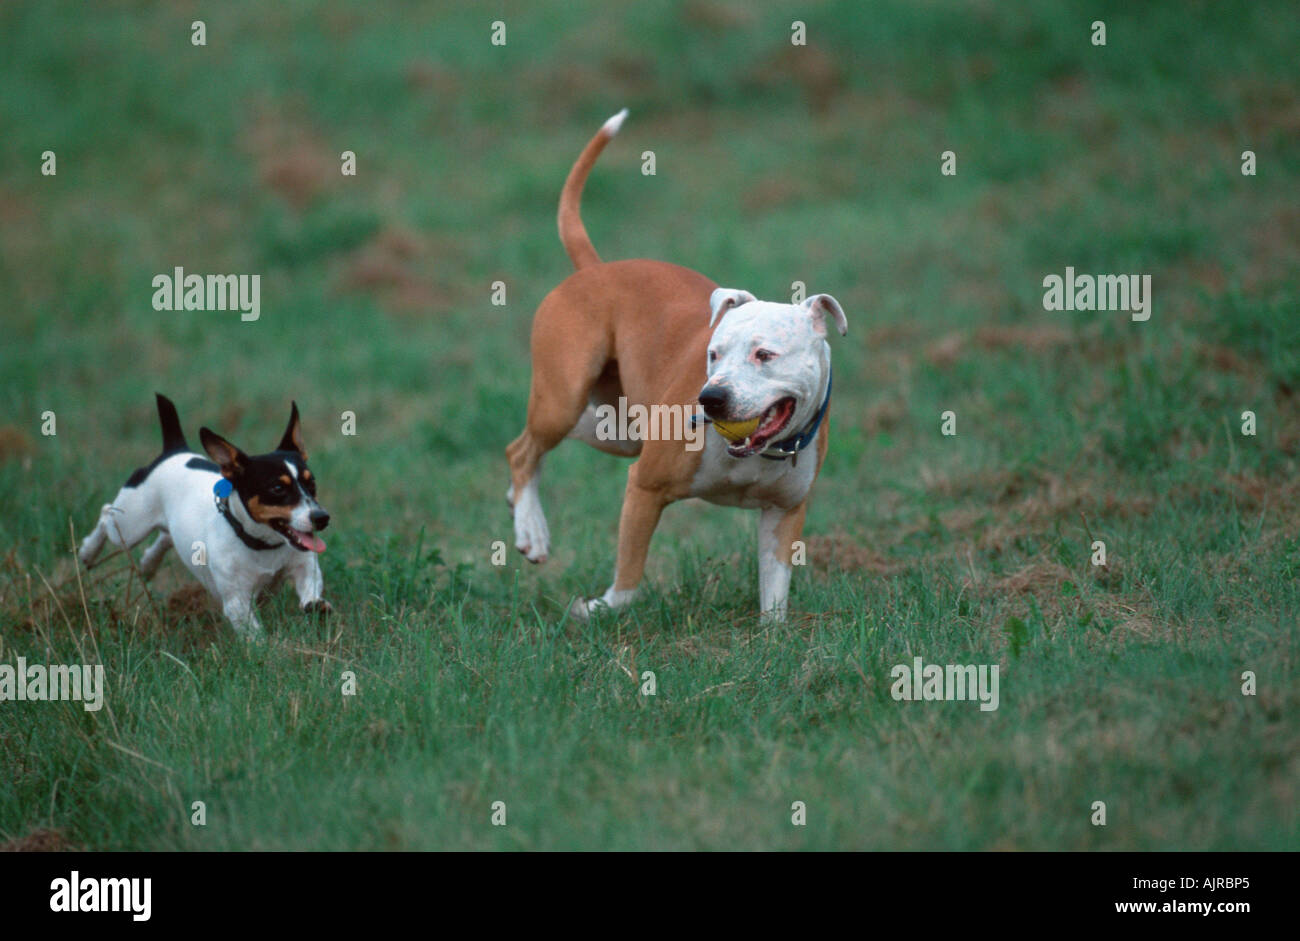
(612, 126)
(573, 234)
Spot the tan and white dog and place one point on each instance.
(644, 331)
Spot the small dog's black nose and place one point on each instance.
(714, 399)
(319, 518)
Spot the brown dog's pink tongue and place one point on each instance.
(313, 542)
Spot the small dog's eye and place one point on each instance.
(763, 355)
(713, 356)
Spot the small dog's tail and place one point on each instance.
(173, 437)
(573, 234)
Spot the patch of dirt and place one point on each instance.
(1037, 339)
(839, 551)
(389, 265)
(1281, 498)
(884, 415)
(44, 610)
(712, 16)
(1038, 494)
(1034, 579)
(1272, 248)
(1271, 108)
(188, 601)
(773, 193)
(38, 841)
(810, 68)
(113, 596)
(15, 443)
(903, 335)
(433, 77)
(1226, 359)
(291, 159)
(1044, 581)
(1021, 503)
(231, 414)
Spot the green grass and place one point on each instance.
(1119, 684)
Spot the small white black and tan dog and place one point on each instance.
(241, 524)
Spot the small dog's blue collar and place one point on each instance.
(221, 491)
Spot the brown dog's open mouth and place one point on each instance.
(305, 542)
(771, 424)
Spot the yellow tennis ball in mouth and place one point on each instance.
(736, 430)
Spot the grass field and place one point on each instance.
(774, 163)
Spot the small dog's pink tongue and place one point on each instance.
(312, 542)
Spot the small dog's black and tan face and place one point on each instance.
(277, 490)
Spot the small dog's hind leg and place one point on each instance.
(153, 556)
(93, 544)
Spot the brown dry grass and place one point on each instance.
(1129, 617)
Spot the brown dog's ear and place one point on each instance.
(229, 458)
(723, 299)
(821, 305)
(292, 440)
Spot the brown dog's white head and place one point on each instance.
(768, 364)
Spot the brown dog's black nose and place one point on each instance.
(714, 399)
(319, 518)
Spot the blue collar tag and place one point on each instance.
(221, 491)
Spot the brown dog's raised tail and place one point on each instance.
(573, 234)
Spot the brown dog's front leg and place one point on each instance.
(778, 531)
(642, 508)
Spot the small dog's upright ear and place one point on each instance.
(292, 440)
(818, 306)
(229, 458)
(723, 299)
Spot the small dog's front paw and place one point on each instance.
(319, 606)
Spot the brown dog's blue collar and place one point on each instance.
(790, 447)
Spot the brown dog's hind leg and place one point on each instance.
(564, 369)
